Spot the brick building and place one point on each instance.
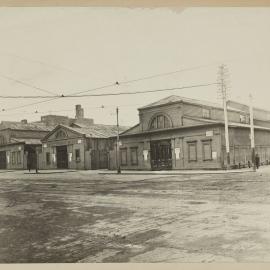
(181, 133)
(79, 146)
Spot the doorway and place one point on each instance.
(62, 157)
(161, 155)
(3, 160)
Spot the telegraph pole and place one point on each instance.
(117, 144)
(223, 88)
(252, 141)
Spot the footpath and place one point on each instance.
(177, 172)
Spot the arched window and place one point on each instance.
(160, 121)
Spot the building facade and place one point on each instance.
(20, 143)
(181, 133)
(79, 147)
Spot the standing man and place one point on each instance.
(29, 164)
(257, 161)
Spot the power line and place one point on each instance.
(113, 84)
(108, 94)
(112, 94)
(141, 92)
(142, 78)
(26, 84)
(56, 111)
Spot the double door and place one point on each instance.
(161, 155)
(3, 160)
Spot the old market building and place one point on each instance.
(181, 133)
(79, 146)
(20, 142)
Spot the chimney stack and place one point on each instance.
(24, 121)
(79, 112)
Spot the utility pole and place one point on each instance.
(117, 144)
(223, 89)
(36, 160)
(252, 141)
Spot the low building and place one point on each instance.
(182, 133)
(79, 146)
(20, 143)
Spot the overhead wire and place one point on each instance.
(27, 84)
(51, 98)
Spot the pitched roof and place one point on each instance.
(25, 126)
(94, 131)
(26, 140)
(99, 131)
(176, 99)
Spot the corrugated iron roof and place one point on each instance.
(25, 126)
(98, 130)
(174, 99)
(26, 140)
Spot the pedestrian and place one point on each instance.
(29, 165)
(249, 164)
(257, 161)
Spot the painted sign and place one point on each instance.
(69, 157)
(145, 154)
(79, 141)
(209, 133)
(177, 153)
(214, 155)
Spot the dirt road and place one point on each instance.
(87, 217)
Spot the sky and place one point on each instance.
(70, 49)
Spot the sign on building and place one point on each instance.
(214, 155)
(145, 154)
(209, 133)
(177, 153)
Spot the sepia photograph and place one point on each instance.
(134, 135)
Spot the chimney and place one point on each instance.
(79, 112)
(24, 121)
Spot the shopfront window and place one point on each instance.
(207, 150)
(192, 151)
(77, 155)
(123, 156)
(134, 155)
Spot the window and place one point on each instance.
(206, 113)
(123, 156)
(48, 158)
(2, 140)
(19, 158)
(77, 155)
(242, 118)
(13, 157)
(207, 150)
(160, 121)
(192, 151)
(134, 155)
